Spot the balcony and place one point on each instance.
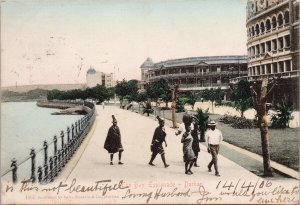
(288, 74)
(194, 75)
(198, 87)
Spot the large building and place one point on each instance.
(273, 43)
(94, 78)
(197, 73)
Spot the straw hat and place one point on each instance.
(212, 123)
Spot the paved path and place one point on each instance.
(92, 163)
(137, 132)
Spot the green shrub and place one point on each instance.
(284, 115)
(148, 109)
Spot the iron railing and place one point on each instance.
(53, 156)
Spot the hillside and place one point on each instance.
(32, 95)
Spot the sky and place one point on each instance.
(57, 41)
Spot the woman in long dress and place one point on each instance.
(195, 144)
(188, 153)
(113, 141)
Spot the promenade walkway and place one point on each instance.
(92, 162)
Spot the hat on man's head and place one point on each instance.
(212, 123)
(114, 119)
(160, 119)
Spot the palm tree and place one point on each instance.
(201, 119)
(283, 116)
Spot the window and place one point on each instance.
(274, 22)
(286, 17)
(280, 20)
(287, 41)
(268, 45)
(257, 29)
(262, 27)
(274, 43)
(268, 25)
(288, 65)
(280, 43)
(262, 46)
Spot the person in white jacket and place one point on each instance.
(213, 138)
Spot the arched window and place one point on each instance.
(253, 31)
(274, 22)
(268, 24)
(257, 29)
(280, 20)
(262, 27)
(249, 32)
(286, 17)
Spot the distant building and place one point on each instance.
(94, 78)
(145, 67)
(196, 73)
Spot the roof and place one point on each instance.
(148, 63)
(202, 60)
(91, 71)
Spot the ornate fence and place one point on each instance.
(53, 155)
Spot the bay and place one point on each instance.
(25, 125)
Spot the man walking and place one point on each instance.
(156, 145)
(213, 138)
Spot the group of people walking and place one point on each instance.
(190, 140)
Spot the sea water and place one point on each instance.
(24, 126)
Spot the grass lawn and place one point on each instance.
(284, 143)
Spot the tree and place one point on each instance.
(111, 93)
(259, 97)
(284, 114)
(141, 97)
(213, 95)
(241, 96)
(159, 89)
(180, 102)
(191, 99)
(174, 91)
(201, 119)
(100, 93)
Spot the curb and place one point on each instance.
(275, 165)
(70, 166)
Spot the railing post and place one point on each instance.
(14, 170)
(66, 154)
(68, 134)
(32, 153)
(51, 169)
(40, 174)
(46, 172)
(62, 135)
(72, 131)
(78, 125)
(55, 144)
(59, 160)
(69, 150)
(76, 128)
(62, 157)
(45, 145)
(78, 122)
(55, 165)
